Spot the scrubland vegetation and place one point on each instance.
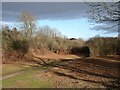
(17, 43)
(21, 41)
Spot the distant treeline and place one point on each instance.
(16, 41)
(101, 46)
(30, 36)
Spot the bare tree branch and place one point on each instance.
(28, 23)
(105, 12)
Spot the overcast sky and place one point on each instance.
(45, 10)
(69, 18)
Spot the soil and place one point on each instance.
(87, 74)
(71, 71)
(51, 55)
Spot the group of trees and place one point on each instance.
(13, 41)
(29, 36)
(107, 14)
(101, 46)
(16, 41)
(52, 40)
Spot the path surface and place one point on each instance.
(78, 73)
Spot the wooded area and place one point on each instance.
(34, 56)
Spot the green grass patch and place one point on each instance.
(11, 68)
(25, 80)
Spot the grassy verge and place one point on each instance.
(26, 79)
(11, 68)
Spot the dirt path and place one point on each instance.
(86, 73)
(51, 55)
(65, 81)
(78, 73)
(59, 80)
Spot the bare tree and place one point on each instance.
(48, 31)
(107, 13)
(28, 23)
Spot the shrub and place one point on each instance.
(20, 46)
(82, 51)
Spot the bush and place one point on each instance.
(82, 51)
(20, 46)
